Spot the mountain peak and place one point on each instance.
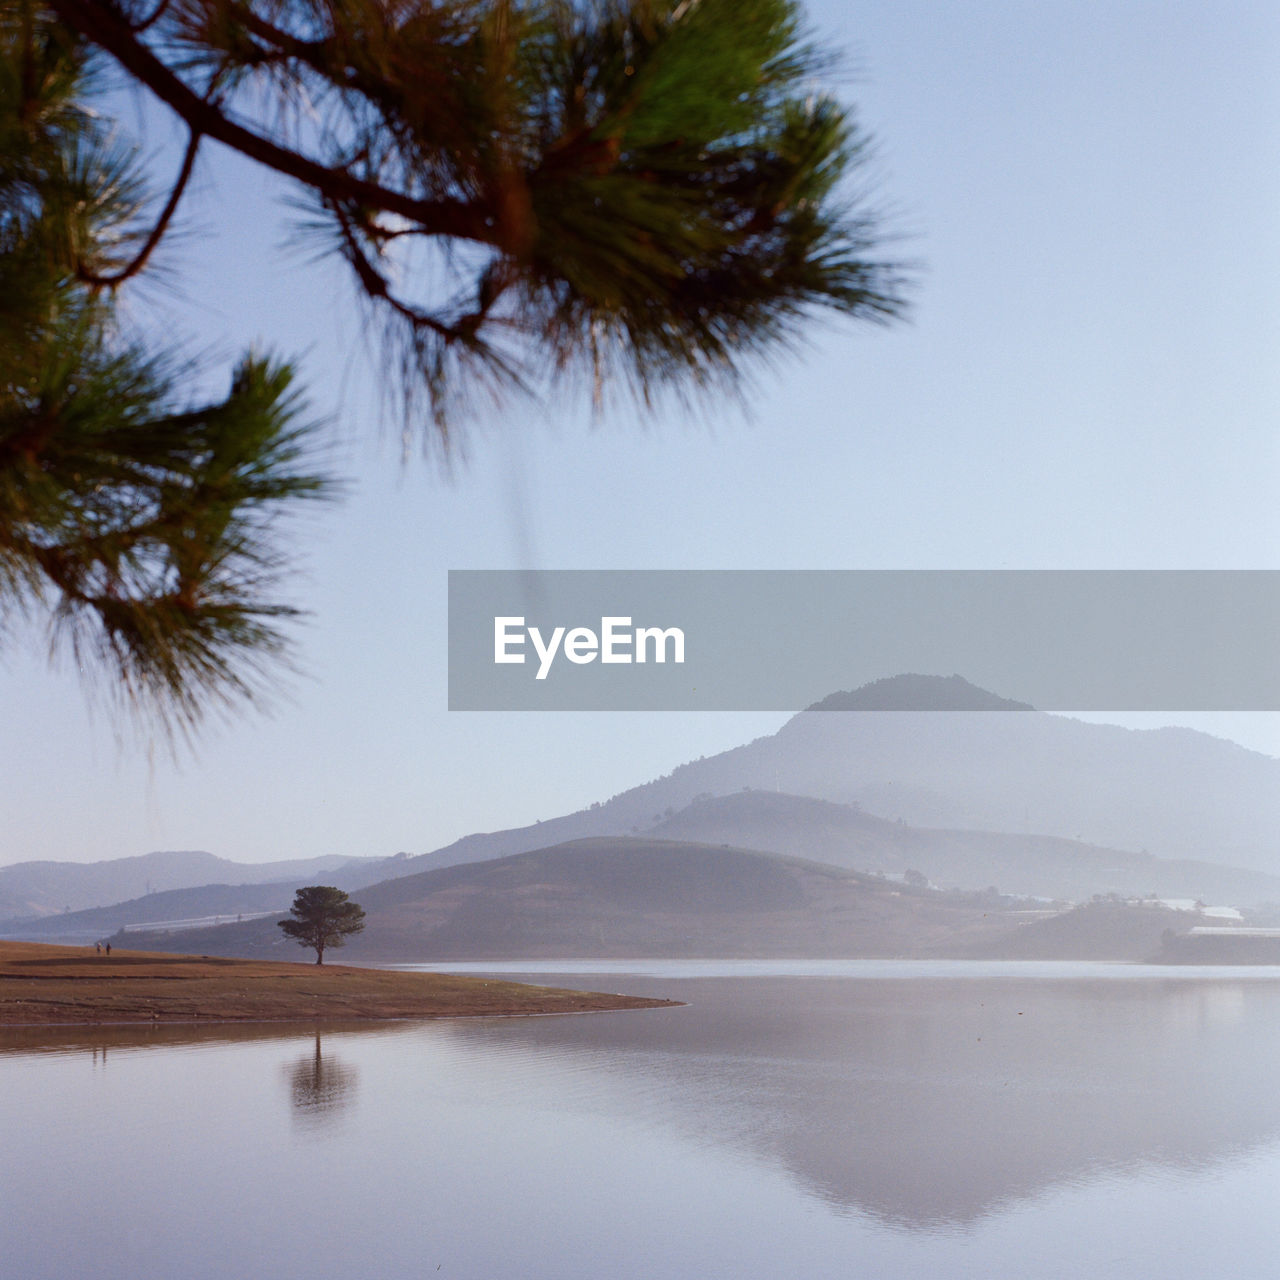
(912, 692)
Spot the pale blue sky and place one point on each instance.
(1090, 380)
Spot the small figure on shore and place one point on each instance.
(108, 948)
(97, 946)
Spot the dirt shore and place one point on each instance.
(49, 985)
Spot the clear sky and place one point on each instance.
(1090, 381)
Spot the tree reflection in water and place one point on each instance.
(320, 1087)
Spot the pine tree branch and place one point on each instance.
(374, 283)
(116, 278)
(156, 14)
(103, 25)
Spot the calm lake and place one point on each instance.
(796, 1119)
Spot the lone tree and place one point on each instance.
(322, 917)
(528, 196)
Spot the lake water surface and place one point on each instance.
(796, 1119)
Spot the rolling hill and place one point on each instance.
(638, 897)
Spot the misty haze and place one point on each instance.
(908, 944)
(314, 312)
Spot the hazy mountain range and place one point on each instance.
(984, 793)
(632, 896)
(1172, 793)
(1030, 865)
(635, 896)
(32, 889)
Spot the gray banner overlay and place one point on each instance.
(765, 641)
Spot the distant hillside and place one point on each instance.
(637, 897)
(1033, 865)
(43, 888)
(174, 905)
(1174, 794)
(1236, 947)
(1093, 931)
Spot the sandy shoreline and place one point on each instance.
(43, 985)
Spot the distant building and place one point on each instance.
(1190, 904)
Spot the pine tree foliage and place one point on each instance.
(643, 191)
(322, 917)
(140, 522)
(647, 195)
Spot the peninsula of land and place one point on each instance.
(48, 985)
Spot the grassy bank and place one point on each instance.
(50, 985)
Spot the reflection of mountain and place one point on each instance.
(320, 1086)
(936, 1103)
(928, 1104)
